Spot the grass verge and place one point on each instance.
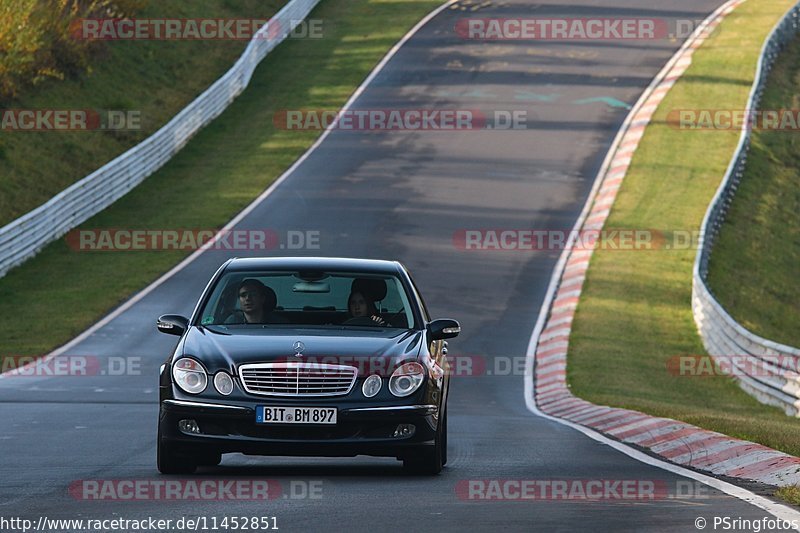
(635, 312)
(754, 265)
(154, 78)
(790, 494)
(218, 173)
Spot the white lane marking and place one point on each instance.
(255, 203)
(778, 510)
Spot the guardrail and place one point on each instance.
(26, 236)
(765, 369)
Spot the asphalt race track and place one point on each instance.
(398, 195)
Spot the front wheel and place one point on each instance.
(209, 459)
(170, 462)
(429, 460)
(444, 440)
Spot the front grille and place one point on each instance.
(297, 379)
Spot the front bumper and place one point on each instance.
(358, 431)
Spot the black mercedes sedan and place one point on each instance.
(306, 356)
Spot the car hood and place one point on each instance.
(225, 350)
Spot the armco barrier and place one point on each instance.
(24, 237)
(772, 375)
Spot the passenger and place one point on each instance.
(359, 306)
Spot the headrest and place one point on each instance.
(372, 289)
(270, 301)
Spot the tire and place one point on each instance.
(170, 462)
(213, 459)
(429, 460)
(444, 439)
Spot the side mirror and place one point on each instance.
(172, 324)
(444, 328)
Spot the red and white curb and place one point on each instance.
(678, 442)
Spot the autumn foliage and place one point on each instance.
(37, 40)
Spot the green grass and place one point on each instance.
(155, 78)
(635, 313)
(755, 265)
(221, 170)
(790, 493)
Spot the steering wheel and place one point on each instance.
(361, 321)
(397, 314)
(235, 317)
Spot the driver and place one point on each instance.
(256, 302)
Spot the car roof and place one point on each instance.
(372, 266)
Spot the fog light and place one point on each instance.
(404, 430)
(189, 426)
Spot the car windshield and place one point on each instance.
(326, 299)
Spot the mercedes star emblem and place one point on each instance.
(298, 347)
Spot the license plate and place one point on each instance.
(295, 415)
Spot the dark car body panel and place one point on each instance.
(223, 351)
(364, 425)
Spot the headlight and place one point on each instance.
(223, 383)
(406, 379)
(189, 375)
(372, 385)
